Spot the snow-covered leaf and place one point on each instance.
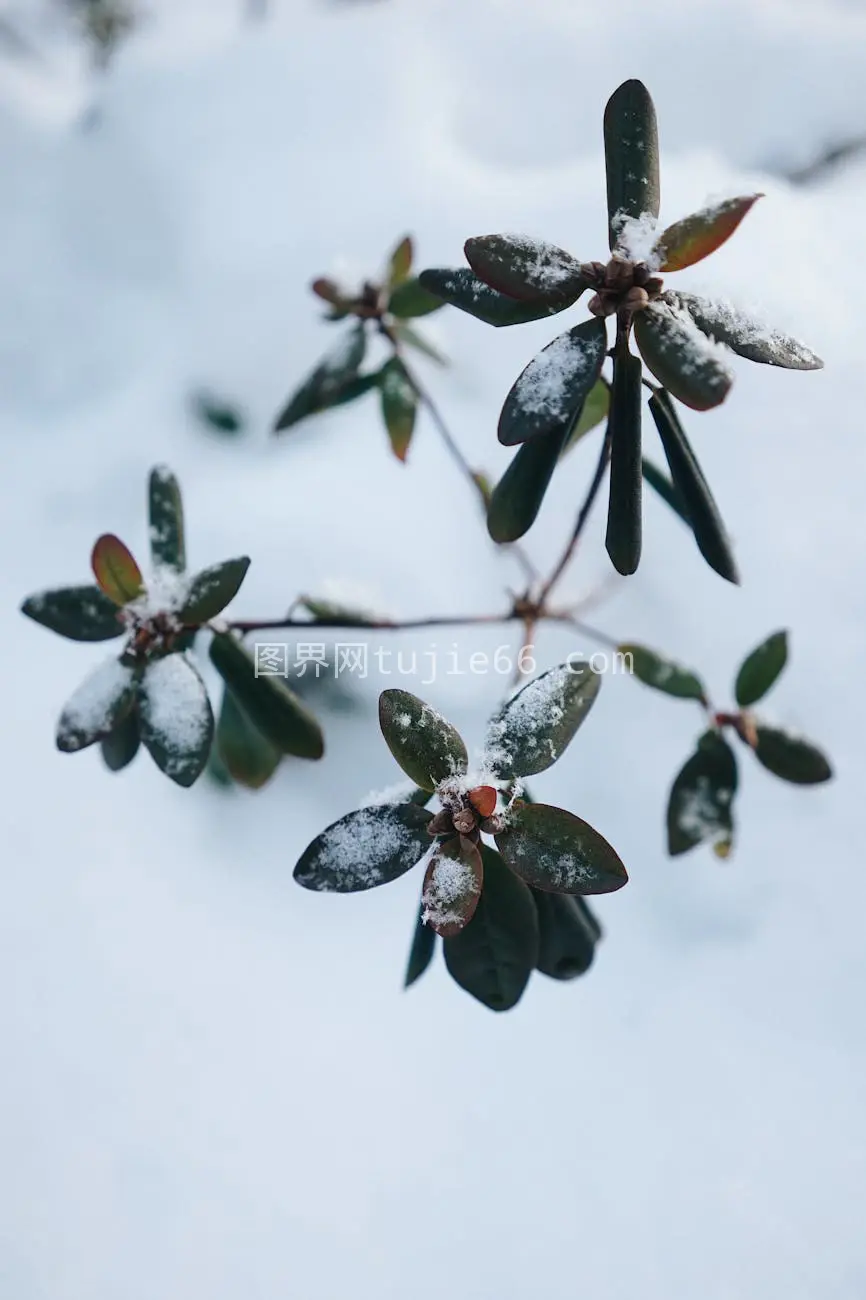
(165, 509)
(271, 706)
(452, 886)
(624, 517)
(115, 570)
(529, 270)
(79, 613)
(517, 497)
(323, 387)
(411, 299)
(99, 703)
(744, 334)
(683, 359)
(368, 847)
(177, 722)
(532, 729)
(212, 589)
(631, 156)
(493, 956)
(463, 289)
(662, 673)
(791, 757)
(760, 669)
(399, 406)
(594, 410)
(568, 933)
(426, 746)
(549, 394)
(693, 491)
(695, 237)
(700, 806)
(552, 849)
(421, 952)
(122, 743)
(247, 755)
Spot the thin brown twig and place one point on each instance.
(582, 518)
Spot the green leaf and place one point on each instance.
(661, 484)
(790, 757)
(212, 589)
(421, 953)
(517, 497)
(624, 520)
(366, 848)
(529, 270)
(552, 849)
(221, 416)
(554, 386)
(681, 358)
(694, 238)
(399, 405)
(594, 410)
(177, 722)
(78, 613)
(532, 729)
(406, 334)
(568, 935)
(700, 806)
(463, 289)
(247, 755)
(323, 388)
(664, 674)
(267, 701)
(165, 507)
(493, 957)
(121, 745)
(102, 700)
(452, 886)
(428, 748)
(356, 388)
(631, 156)
(744, 334)
(693, 490)
(411, 299)
(400, 262)
(759, 670)
(115, 570)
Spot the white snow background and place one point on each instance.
(213, 1084)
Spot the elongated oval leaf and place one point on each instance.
(452, 886)
(323, 387)
(552, 849)
(664, 487)
(428, 748)
(177, 722)
(366, 848)
(693, 490)
(405, 333)
(746, 335)
(791, 757)
(493, 957)
(700, 806)
(399, 405)
(267, 701)
(552, 389)
(529, 270)
(663, 674)
(567, 937)
(411, 299)
(121, 744)
(595, 409)
(695, 237)
(532, 729)
(78, 613)
(101, 701)
(759, 670)
(463, 289)
(165, 510)
(247, 755)
(517, 497)
(624, 519)
(681, 358)
(631, 155)
(400, 261)
(421, 952)
(115, 570)
(212, 589)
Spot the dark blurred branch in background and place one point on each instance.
(827, 161)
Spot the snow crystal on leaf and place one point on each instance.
(445, 892)
(91, 710)
(636, 238)
(746, 332)
(527, 718)
(701, 348)
(546, 266)
(545, 386)
(397, 793)
(175, 713)
(358, 851)
(165, 592)
(701, 815)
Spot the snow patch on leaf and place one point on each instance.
(92, 710)
(175, 713)
(449, 888)
(636, 238)
(545, 386)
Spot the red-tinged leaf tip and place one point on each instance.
(328, 290)
(483, 800)
(116, 570)
(695, 237)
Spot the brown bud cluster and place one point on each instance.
(622, 287)
(149, 636)
(468, 815)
